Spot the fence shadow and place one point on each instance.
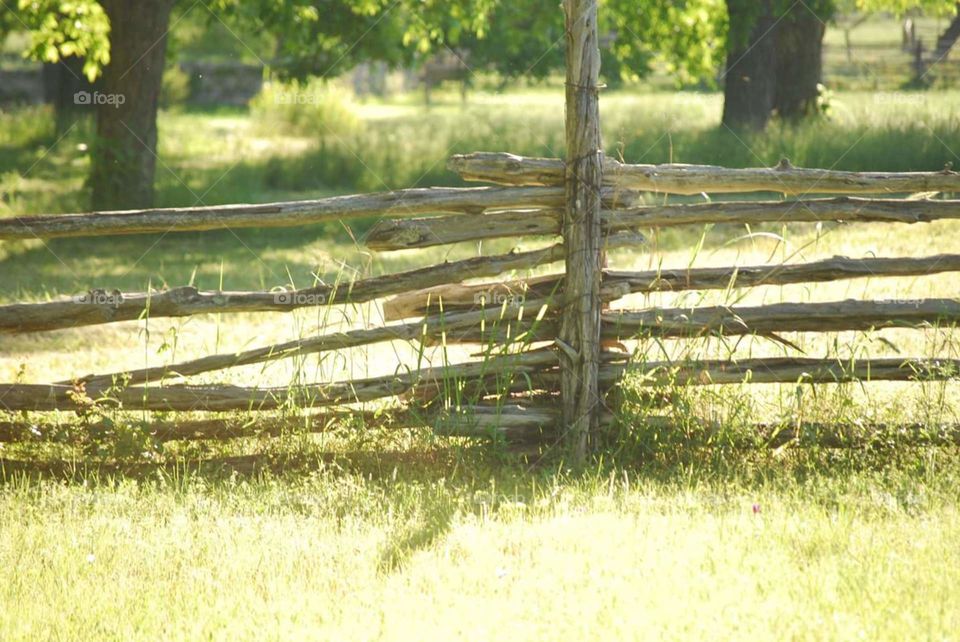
(421, 535)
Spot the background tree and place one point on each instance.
(125, 152)
(126, 41)
(749, 78)
(774, 60)
(799, 57)
(775, 54)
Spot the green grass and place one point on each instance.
(459, 555)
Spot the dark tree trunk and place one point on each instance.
(799, 63)
(63, 87)
(125, 155)
(749, 81)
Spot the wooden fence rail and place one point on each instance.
(764, 320)
(51, 397)
(834, 316)
(509, 421)
(404, 234)
(97, 307)
(408, 202)
(459, 297)
(509, 169)
(451, 326)
(102, 306)
(782, 370)
(522, 372)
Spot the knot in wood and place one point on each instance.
(784, 165)
(183, 294)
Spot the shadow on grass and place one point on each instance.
(420, 463)
(442, 480)
(417, 535)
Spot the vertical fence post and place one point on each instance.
(579, 337)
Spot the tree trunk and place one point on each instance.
(63, 87)
(799, 63)
(124, 158)
(749, 80)
(579, 340)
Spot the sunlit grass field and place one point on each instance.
(462, 555)
(404, 535)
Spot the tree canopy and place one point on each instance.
(324, 37)
(327, 37)
(311, 37)
(62, 29)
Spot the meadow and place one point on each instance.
(363, 533)
(450, 552)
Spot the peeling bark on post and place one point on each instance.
(579, 341)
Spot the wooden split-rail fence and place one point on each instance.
(511, 393)
(545, 369)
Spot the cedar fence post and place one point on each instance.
(579, 339)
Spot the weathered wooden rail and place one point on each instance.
(98, 307)
(458, 297)
(437, 200)
(693, 322)
(427, 232)
(508, 169)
